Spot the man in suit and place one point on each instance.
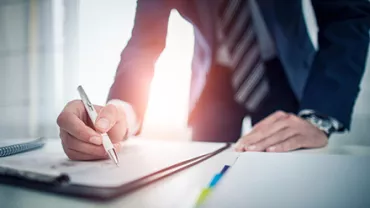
(251, 58)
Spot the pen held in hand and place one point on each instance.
(108, 146)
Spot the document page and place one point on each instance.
(138, 158)
(294, 180)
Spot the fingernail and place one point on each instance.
(251, 147)
(102, 123)
(96, 140)
(271, 149)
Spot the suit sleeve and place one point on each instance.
(339, 64)
(136, 68)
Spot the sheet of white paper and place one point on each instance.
(138, 158)
(294, 180)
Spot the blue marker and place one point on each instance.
(206, 191)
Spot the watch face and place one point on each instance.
(326, 124)
(322, 124)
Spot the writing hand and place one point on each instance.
(81, 139)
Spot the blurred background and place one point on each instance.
(49, 47)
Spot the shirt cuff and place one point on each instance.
(133, 124)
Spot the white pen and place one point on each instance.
(108, 146)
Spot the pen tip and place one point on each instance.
(113, 156)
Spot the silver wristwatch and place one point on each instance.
(326, 124)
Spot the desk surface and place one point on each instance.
(179, 190)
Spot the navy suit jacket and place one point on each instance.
(326, 80)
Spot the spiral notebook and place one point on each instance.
(14, 146)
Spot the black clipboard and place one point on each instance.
(61, 186)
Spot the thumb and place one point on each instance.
(112, 120)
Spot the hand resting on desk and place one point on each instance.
(282, 132)
(81, 139)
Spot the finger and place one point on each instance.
(270, 120)
(76, 107)
(239, 146)
(251, 140)
(75, 155)
(71, 123)
(274, 139)
(97, 152)
(107, 117)
(111, 119)
(77, 145)
(257, 131)
(290, 144)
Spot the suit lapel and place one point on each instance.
(267, 9)
(279, 15)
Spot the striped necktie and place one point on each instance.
(240, 41)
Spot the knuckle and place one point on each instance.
(61, 118)
(280, 113)
(73, 102)
(295, 118)
(109, 110)
(291, 117)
